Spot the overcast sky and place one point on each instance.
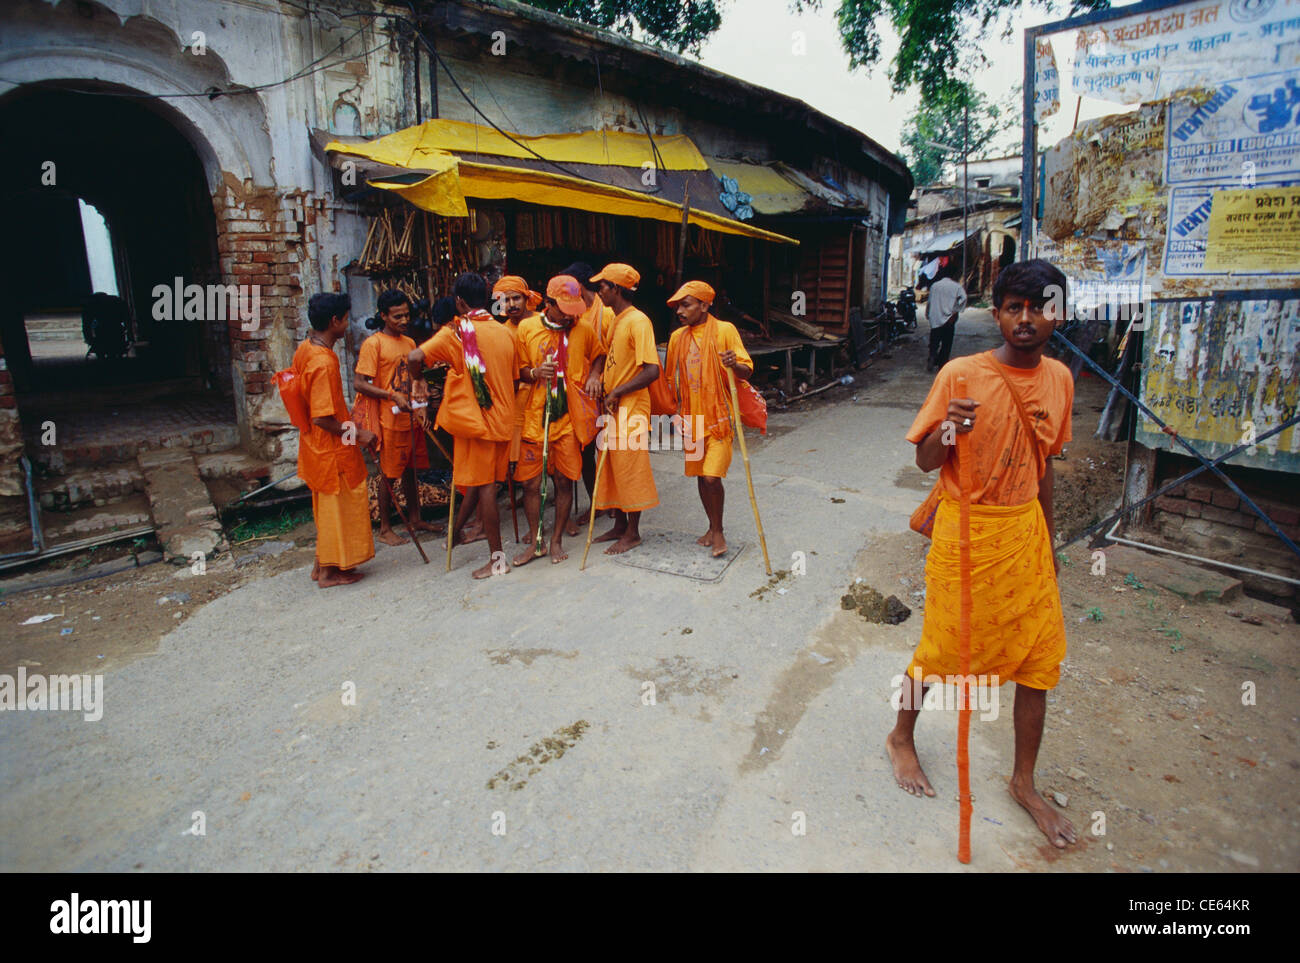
(756, 42)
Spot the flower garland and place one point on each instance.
(557, 397)
(474, 361)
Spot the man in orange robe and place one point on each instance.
(329, 454)
(599, 317)
(630, 364)
(1017, 633)
(478, 407)
(554, 355)
(513, 302)
(697, 353)
(401, 448)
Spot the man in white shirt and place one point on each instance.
(947, 300)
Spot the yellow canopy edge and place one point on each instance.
(412, 146)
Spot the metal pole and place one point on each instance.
(965, 179)
(1029, 149)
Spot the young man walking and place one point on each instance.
(698, 354)
(1016, 415)
(947, 300)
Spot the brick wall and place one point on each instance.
(261, 239)
(13, 494)
(1204, 517)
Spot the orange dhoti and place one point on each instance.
(564, 455)
(343, 535)
(713, 462)
(627, 483)
(477, 462)
(395, 452)
(1017, 631)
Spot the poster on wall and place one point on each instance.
(1247, 130)
(1149, 56)
(1221, 372)
(1187, 235)
(1255, 231)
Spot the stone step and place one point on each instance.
(129, 511)
(1192, 582)
(185, 519)
(234, 464)
(102, 486)
(208, 439)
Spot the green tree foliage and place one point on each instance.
(940, 120)
(940, 40)
(679, 25)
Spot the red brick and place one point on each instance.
(264, 257)
(1199, 493)
(1176, 506)
(8, 401)
(245, 269)
(1224, 498)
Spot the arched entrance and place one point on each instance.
(119, 156)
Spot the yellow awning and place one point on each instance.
(413, 147)
(451, 180)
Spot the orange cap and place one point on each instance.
(624, 275)
(565, 291)
(696, 289)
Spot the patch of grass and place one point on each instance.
(1094, 613)
(285, 520)
(1169, 632)
(1131, 580)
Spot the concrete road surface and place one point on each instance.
(506, 724)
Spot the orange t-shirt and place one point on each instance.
(321, 455)
(599, 317)
(629, 344)
(379, 357)
(1004, 469)
(497, 348)
(534, 343)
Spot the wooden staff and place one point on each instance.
(744, 453)
(591, 525)
(451, 515)
(963, 640)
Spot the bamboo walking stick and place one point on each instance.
(749, 476)
(451, 515)
(514, 506)
(963, 641)
(591, 525)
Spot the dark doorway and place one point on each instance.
(120, 157)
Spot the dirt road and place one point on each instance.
(626, 719)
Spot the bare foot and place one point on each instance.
(613, 534)
(622, 545)
(332, 576)
(907, 767)
(719, 545)
(526, 556)
(572, 528)
(557, 552)
(390, 537)
(468, 535)
(706, 538)
(420, 525)
(315, 572)
(1058, 830)
(486, 571)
